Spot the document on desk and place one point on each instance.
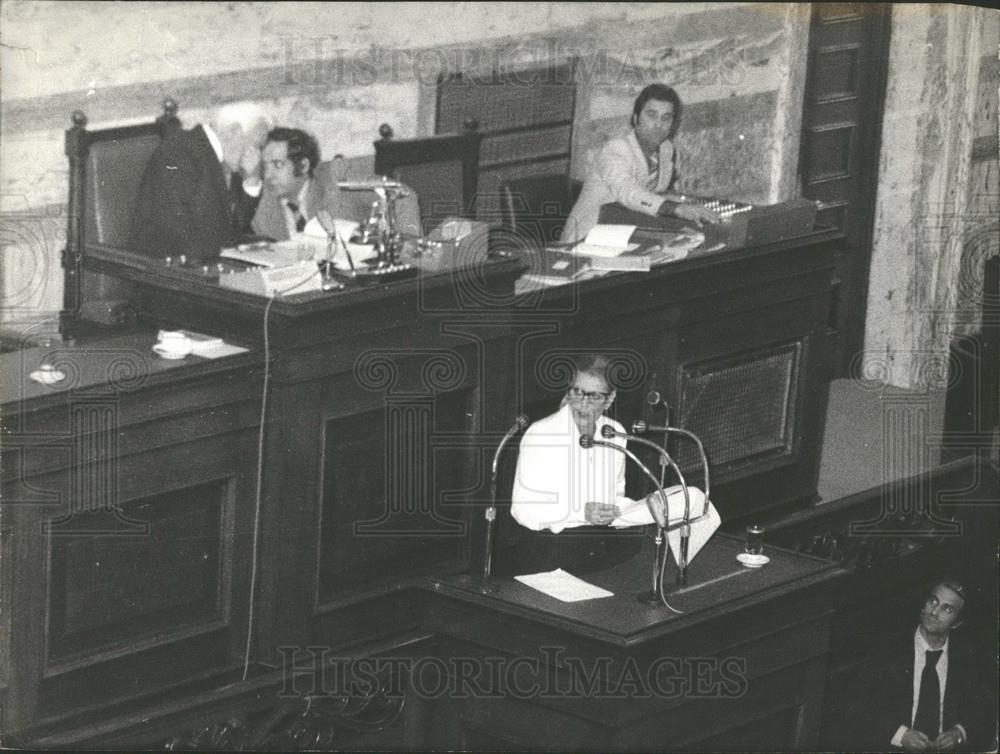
(563, 586)
(607, 241)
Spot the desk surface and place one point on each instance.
(717, 584)
(122, 362)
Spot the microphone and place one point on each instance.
(654, 399)
(640, 427)
(608, 431)
(520, 422)
(587, 441)
(327, 223)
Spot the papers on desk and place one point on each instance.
(610, 247)
(606, 241)
(270, 255)
(563, 586)
(210, 346)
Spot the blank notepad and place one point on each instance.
(563, 586)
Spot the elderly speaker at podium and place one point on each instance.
(298, 185)
(570, 498)
(638, 168)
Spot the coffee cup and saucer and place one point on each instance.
(172, 344)
(48, 375)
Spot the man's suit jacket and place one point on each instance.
(883, 698)
(184, 205)
(322, 193)
(620, 174)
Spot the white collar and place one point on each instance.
(213, 139)
(920, 643)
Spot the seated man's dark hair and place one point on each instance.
(663, 93)
(301, 145)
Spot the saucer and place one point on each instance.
(172, 355)
(752, 561)
(48, 376)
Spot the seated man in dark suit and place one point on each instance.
(192, 199)
(927, 690)
(297, 186)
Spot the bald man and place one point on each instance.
(201, 186)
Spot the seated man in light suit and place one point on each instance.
(637, 169)
(297, 186)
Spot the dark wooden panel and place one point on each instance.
(829, 152)
(526, 118)
(837, 73)
(384, 491)
(833, 214)
(114, 589)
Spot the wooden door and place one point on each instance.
(841, 128)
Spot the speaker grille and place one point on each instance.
(741, 407)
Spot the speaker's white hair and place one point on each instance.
(246, 115)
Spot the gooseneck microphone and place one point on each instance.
(640, 427)
(327, 223)
(608, 431)
(520, 422)
(587, 441)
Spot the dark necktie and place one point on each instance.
(300, 221)
(928, 714)
(235, 200)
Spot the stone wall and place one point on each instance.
(341, 69)
(937, 209)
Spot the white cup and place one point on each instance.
(172, 345)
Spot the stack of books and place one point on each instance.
(556, 267)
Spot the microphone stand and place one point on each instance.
(587, 441)
(639, 427)
(661, 557)
(520, 422)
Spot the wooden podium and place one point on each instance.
(742, 669)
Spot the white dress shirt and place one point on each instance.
(556, 478)
(920, 648)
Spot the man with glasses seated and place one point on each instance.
(565, 495)
(297, 185)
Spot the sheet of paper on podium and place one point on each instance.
(563, 586)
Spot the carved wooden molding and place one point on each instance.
(301, 724)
